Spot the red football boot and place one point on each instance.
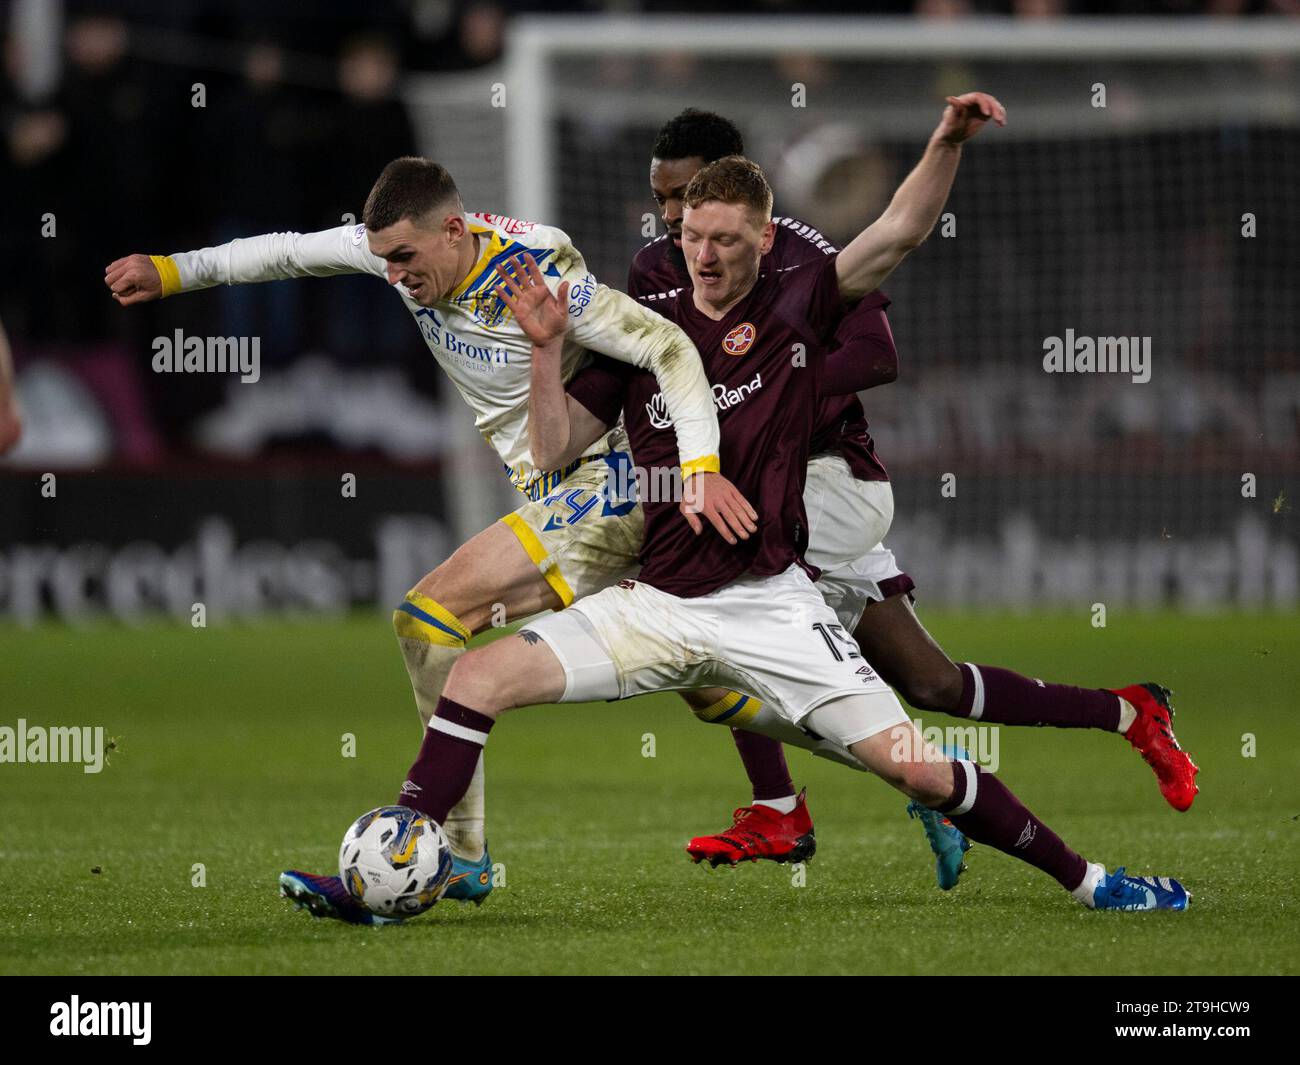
(759, 832)
(1152, 736)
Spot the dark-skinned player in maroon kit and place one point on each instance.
(870, 593)
(744, 615)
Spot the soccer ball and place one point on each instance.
(395, 861)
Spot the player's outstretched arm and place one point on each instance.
(874, 253)
(270, 257)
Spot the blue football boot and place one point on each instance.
(1120, 892)
(947, 841)
(470, 881)
(325, 896)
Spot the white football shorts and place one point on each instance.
(771, 638)
(847, 523)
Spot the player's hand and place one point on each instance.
(966, 115)
(720, 501)
(133, 279)
(543, 317)
(11, 427)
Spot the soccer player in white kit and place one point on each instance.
(571, 538)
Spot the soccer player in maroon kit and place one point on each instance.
(746, 615)
(871, 595)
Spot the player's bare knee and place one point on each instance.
(434, 583)
(702, 700)
(912, 780)
(475, 684)
(949, 689)
(446, 588)
(885, 763)
(519, 670)
(930, 782)
(917, 770)
(422, 617)
(934, 689)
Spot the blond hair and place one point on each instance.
(731, 179)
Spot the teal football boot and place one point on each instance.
(947, 841)
(470, 881)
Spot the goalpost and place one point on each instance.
(548, 60)
(1142, 189)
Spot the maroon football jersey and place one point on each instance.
(863, 346)
(767, 403)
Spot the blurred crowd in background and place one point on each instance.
(299, 116)
(144, 126)
(105, 154)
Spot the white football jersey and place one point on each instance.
(476, 340)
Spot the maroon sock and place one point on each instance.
(441, 773)
(1005, 698)
(764, 760)
(994, 816)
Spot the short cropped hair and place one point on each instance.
(733, 179)
(409, 187)
(701, 133)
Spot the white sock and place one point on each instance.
(429, 666)
(465, 820)
(784, 805)
(1094, 875)
(1127, 714)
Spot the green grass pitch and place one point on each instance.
(230, 755)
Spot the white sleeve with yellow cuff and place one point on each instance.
(271, 257)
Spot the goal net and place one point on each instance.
(1144, 188)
